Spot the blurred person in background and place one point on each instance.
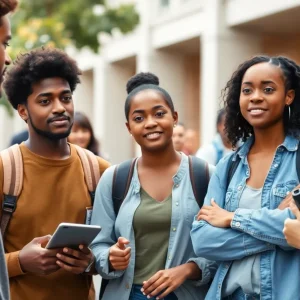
(220, 146)
(191, 142)
(179, 137)
(82, 133)
(6, 6)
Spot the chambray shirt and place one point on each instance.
(253, 231)
(180, 249)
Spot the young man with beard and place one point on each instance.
(6, 6)
(40, 87)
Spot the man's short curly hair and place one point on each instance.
(236, 127)
(34, 66)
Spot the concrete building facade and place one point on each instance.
(193, 46)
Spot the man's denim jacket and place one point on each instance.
(180, 250)
(253, 231)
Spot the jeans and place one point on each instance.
(136, 294)
(240, 295)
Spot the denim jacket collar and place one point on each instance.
(183, 168)
(290, 143)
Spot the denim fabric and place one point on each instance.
(180, 249)
(136, 294)
(240, 295)
(253, 231)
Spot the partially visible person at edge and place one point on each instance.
(82, 133)
(146, 250)
(220, 146)
(291, 228)
(6, 6)
(179, 137)
(262, 103)
(191, 142)
(40, 86)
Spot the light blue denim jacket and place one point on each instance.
(253, 231)
(180, 250)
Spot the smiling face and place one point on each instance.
(263, 96)
(80, 136)
(5, 36)
(151, 121)
(49, 109)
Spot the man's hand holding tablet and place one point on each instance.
(75, 257)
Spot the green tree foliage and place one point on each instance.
(60, 23)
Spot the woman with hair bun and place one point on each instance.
(241, 223)
(146, 250)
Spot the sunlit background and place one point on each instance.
(192, 45)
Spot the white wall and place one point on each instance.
(111, 82)
(84, 94)
(241, 11)
(222, 50)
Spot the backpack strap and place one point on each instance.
(121, 182)
(120, 186)
(231, 168)
(91, 170)
(12, 184)
(199, 175)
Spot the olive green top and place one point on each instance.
(151, 224)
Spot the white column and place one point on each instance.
(222, 50)
(100, 100)
(84, 94)
(109, 117)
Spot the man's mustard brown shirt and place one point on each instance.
(54, 191)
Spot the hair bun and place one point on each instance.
(140, 79)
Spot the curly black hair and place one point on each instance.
(236, 126)
(141, 79)
(34, 66)
(7, 6)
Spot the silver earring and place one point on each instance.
(289, 108)
(174, 125)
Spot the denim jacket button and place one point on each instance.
(237, 224)
(177, 203)
(177, 185)
(174, 228)
(276, 165)
(239, 187)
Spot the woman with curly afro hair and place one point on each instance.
(245, 216)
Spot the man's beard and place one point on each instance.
(48, 134)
